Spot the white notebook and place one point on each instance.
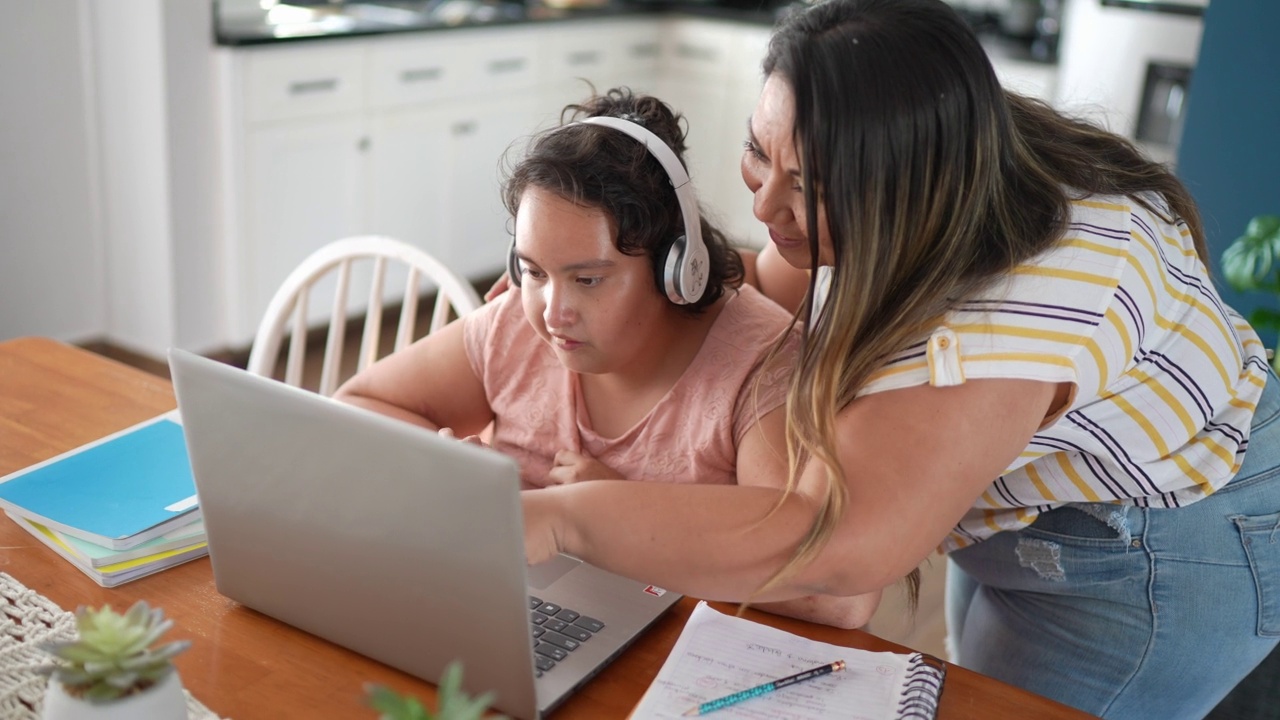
(718, 655)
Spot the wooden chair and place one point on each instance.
(288, 312)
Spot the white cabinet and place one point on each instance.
(400, 136)
(409, 135)
(710, 71)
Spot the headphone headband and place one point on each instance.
(685, 268)
(682, 265)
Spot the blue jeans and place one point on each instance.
(1128, 612)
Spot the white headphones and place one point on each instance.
(681, 270)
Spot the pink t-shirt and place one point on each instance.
(691, 435)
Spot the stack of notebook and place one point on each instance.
(118, 508)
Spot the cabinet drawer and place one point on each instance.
(603, 52)
(415, 70)
(493, 61)
(697, 50)
(286, 83)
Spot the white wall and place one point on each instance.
(1104, 54)
(50, 251)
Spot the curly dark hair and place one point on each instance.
(599, 167)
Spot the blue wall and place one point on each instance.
(1229, 156)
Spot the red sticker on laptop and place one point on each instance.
(655, 591)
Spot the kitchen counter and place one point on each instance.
(292, 23)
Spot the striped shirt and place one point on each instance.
(1166, 375)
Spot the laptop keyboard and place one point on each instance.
(557, 631)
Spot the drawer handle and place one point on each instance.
(414, 75)
(645, 50)
(508, 65)
(466, 127)
(302, 87)
(584, 57)
(692, 52)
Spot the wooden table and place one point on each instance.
(245, 665)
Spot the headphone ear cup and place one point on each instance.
(513, 265)
(665, 258)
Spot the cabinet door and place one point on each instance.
(484, 136)
(304, 187)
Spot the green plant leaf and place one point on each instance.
(1249, 261)
(1265, 318)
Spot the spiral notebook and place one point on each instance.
(719, 654)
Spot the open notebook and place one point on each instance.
(718, 655)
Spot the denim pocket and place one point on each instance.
(1260, 536)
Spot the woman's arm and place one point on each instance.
(916, 459)
(430, 383)
(762, 460)
(774, 277)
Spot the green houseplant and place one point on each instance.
(114, 669)
(1252, 263)
(453, 703)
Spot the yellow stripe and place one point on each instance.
(988, 519)
(1160, 390)
(1116, 322)
(1203, 482)
(1081, 484)
(1034, 476)
(1100, 205)
(1032, 454)
(1191, 300)
(1199, 342)
(1018, 331)
(1100, 361)
(1092, 278)
(1141, 420)
(986, 497)
(891, 370)
(1023, 516)
(1023, 357)
(1142, 275)
(1237, 403)
(1095, 247)
(1226, 456)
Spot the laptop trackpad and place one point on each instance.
(543, 574)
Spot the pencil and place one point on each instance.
(734, 699)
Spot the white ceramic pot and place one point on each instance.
(162, 701)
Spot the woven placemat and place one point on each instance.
(28, 619)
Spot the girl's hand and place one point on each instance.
(571, 467)
(473, 439)
(542, 532)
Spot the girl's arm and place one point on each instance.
(916, 459)
(430, 383)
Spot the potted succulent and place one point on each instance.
(1252, 262)
(113, 670)
(453, 703)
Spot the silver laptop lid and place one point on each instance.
(354, 526)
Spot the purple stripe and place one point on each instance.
(1179, 374)
(1096, 469)
(1106, 232)
(998, 311)
(1135, 313)
(1187, 280)
(1046, 306)
(1002, 488)
(1115, 450)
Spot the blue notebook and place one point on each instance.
(120, 491)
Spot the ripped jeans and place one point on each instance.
(1127, 612)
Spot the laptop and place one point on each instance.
(392, 541)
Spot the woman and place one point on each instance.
(1021, 361)
(589, 367)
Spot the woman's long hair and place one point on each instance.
(935, 183)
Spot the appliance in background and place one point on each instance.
(1035, 24)
(1127, 65)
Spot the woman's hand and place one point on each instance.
(500, 286)
(571, 467)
